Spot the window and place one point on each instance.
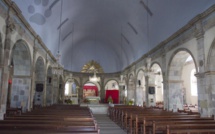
(193, 83)
(67, 89)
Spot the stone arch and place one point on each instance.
(112, 90)
(211, 57)
(21, 59)
(38, 96)
(71, 91)
(140, 88)
(21, 78)
(95, 90)
(157, 82)
(176, 78)
(95, 83)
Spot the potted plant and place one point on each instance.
(68, 101)
(130, 102)
(86, 101)
(110, 100)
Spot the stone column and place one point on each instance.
(135, 88)
(165, 82)
(1, 63)
(80, 92)
(210, 76)
(203, 94)
(32, 92)
(102, 90)
(147, 89)
(45, 82)
(54, 89)
(5, 69)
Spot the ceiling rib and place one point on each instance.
(146, 7)
(53, 4)
(62, 23)
(67, 35)
(132, 27)
(125, 38)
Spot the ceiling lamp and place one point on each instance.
(57, 68)
(94, 78)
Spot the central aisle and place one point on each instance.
(107, 126)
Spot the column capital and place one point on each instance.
(200, 75)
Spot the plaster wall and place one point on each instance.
(186, 75)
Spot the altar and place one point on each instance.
(93, 99)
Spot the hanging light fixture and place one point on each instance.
(94, 78)
(121, 82)
(57, 68)
(148, 71)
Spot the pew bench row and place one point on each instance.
(139, 120)
(58, 119)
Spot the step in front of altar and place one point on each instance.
(97, 108)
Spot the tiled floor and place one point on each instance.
(107, 126)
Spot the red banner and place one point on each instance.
(114, 94)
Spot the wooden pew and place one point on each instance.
(148, 121)
(54, 119)
(13, 111)
(192, 128)
(151, 120)
(160, 126)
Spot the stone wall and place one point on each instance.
(20, 93)
(49, 95)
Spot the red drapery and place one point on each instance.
(114, 94)
(92, 88)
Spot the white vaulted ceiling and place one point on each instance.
(111, 32)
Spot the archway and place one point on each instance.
(140, 88)
(21, 79)
(71, 92)
(157, 82)
(112, 91)
(91, 92)
(49, 92)
(179, 75)
(39, 82)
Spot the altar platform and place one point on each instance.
(97, 108)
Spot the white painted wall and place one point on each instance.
(186, 78)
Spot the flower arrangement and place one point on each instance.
(110, 100)
(68, 101)
(86, 101)
(130, 102)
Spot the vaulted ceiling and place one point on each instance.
(114, 33)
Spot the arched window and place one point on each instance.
(193, 83)
(67, 89)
